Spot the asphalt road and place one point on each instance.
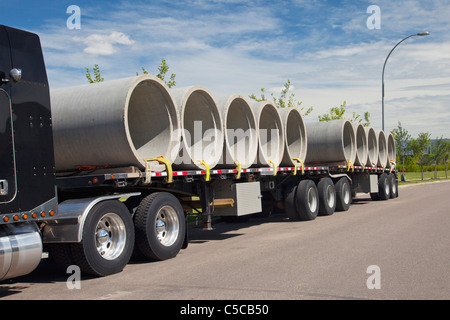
(400, 246)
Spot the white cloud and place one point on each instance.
(99, 44)
(241, 51)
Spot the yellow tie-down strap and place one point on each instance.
(238, 170)
(392, 164)
(161, 160)
(207, 169)
(350, 166)
(295, 165)
(274, 166)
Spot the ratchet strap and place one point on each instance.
(392, 164)
(274, 166)
(295, 166)
(350, 166)
(206, 167)
(238, 170)
(162, 161)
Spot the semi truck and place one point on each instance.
(98, 217)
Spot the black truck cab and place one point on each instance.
(27, 180)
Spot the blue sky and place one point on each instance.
(323, 47)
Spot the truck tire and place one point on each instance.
(289, 204)
(343, 194)
(307, 200)
(108, 239)
(160, 226)
(393, 186)
(384, 191)
(327, 196)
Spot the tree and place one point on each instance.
(401, 137)
(439, 152)
(419, 147)
(338, 113)
(163, 69)
(97, 76)
(283, 101)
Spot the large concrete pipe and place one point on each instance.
(330, 141)
(382, 149)
(114, 123)
(361, 145)
(295, 137)
(202, 136)
(391, 151)
(240, 132)
(270, 134)
(372, 146)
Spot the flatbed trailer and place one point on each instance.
(97, 217)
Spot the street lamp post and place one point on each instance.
(420, 34)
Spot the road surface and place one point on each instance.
(395, 249)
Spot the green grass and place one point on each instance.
(416, 177)
(426, 175)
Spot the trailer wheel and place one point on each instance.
(307, 200)
(108, 239)
(384, 190)
(160, 226)
(343, 194)
(393, 185)
(327, 197)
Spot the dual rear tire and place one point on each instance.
(110, 235)
(387, 187)
(307, 200)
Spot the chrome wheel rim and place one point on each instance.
(346, 192)
(110, 236)
(167, 226)
(331, 196)
(312, 200)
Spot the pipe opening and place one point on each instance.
(151, 120)
(361, 145)
(201, 123)
(382, 149)
(372, 147)
(391, 152)
(270, 134)
(348, 141)
(240, 134)
(295, 134)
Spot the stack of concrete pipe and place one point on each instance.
(330, 142)
(114, 123)
(127, 121)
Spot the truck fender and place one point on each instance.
(68, 226)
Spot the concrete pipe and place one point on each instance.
(391, 151)
(372, 147)
(361, 145)
(240, 132)
(270, 134)
(382, 149)
(295, 138)
(114, 123)
(202, 136)
(330, 141)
